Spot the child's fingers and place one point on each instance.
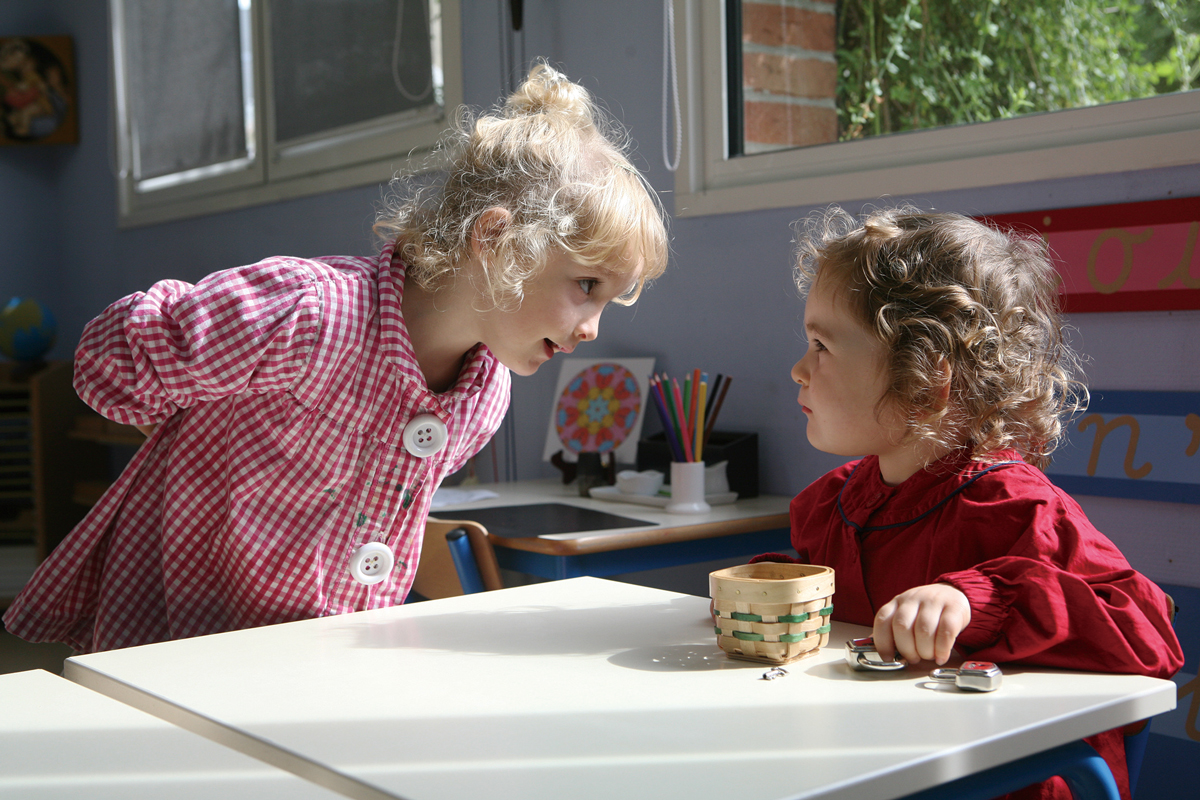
(896, 625)
(922, 623)
(885, 643)
(947, 632)
(927, 631)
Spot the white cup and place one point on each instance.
(687, 488)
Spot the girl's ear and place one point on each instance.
(488, 229)
(942, 392)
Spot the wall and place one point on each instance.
(28, 178)
(726, 304)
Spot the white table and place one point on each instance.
(60, 741)
(586, 688)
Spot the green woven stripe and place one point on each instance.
(747, 636)
(718, 630)
(740, 617)
(824, 629)
(793, 637)
(794, 617)
(826, 611)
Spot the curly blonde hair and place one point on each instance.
(557, 165)
(947, 295)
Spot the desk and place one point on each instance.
(587, 688)
(60, 741)
(655, 540)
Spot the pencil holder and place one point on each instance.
(739, 449)
(687, 488)
(771, 612)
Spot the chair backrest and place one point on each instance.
(437, 573)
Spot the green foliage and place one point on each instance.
(913, 64)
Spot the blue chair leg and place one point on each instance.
(1135, 753)
(1078, 763)
(464, 561)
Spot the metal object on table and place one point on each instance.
(862, 655)
(973, 676)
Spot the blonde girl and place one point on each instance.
(301, 412)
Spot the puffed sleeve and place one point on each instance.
(1066, 597)
(249, 329)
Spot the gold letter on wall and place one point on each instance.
(1102, 430)
(1128, 240)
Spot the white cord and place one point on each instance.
(670, 85)
(396, 57)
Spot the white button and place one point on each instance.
(371, 563)
(425, 435)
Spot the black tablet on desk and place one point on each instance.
(541, 519)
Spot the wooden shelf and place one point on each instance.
(39, 409)
(87, 493)
(95, 428)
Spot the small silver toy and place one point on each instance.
(973, 676)
(862, 655)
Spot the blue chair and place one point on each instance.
(1137, 736)
(1135, 753)
(456, 558)
(1077, 763)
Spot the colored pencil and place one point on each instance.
(699, 447)
(664, 386)
(668, 429)
(684, 433)
(687, 398)
(712, 420)
(713, 388)
(692, 407)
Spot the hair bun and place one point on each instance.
(548, 91)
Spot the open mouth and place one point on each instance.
(553, 347)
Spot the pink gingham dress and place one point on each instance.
(282, 392)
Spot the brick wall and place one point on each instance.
(789, 73)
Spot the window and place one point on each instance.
(824, 149)
(222, 104)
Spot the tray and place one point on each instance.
(613, 494)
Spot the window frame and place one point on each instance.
(353, 155)
(1148, 133)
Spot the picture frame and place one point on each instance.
(576, 410)
(38, 98)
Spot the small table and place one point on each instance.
(653, 539)
(590, 688)
(61, 740)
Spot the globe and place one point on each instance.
(27, 330)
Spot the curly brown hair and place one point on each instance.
(555, 162)
(952, 298)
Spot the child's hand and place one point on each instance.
(922, 623)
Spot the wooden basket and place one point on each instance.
(772, 612)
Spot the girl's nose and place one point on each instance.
(588, 327)
(800, 373)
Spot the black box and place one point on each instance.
(739, 449)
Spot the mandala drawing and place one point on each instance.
(598, 409)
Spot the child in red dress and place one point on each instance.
(935, 352)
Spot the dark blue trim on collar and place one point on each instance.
(868, 529)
